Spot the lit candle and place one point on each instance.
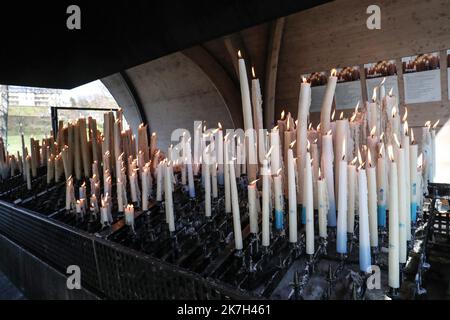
(402, 201)
(413, 150)
(190, 171)
(145, 187)
(341, 241)
(372, 192)
(373, 112)
(405, 144)
(323, 206)
(82, 191)
(168, 201)
(293, 237)
(50, 168)
(308, 206)
(252, 210)
(364, 233)
(381, 187)
(129, 216)
(70, 193)
(304, 103)
(159, 182)
(265, 204)
(327, 165)
(275, 156)
(220, 154)
(133, 187)
(278, 197)
(326, 106)
(227, 175)
(351, 176)
(215, 191)
(206, 164)
(433, 150)
(394, 272)
(340, 134)
(237, 230)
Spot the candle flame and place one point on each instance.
(292, 144)
(318, 127)
(308, 145)
(394, 111)
(269, 153)
(343, 149)
(436, 124)
(333, 114)
(357, 107)
(428, 124)
(219, 125)
(374, 94)
(254, 182)
(397, 141)
(329, 132)
(405, 128)
(304, 80)
(391, 153)
(341, 117)
(413, 141)
(420, 161)
(333, 72)
(282, 115)
(353, 162)
(380, 152)
(373, 131)
(253, 72)
(310, 126)
(405, 115)
(361, 166)
(360, 160)
(391, 92)
(315, 141)
(320, 174)
(239, 54)
(382, 136)
(353, 117)
(383, 81)
(369, 158)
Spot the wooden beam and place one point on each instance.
(221, 81)
(276, 35)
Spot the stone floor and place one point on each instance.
(8, 291)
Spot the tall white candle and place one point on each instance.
(327, 165)
(405, 144)
(394, 272)
(252, 210)
(341, 241)
(168, 201)
(351, 176)
(381, 187)
(265, 200)
(308, 205)
(414, 191)
(402, 204)
(326, 106)
(278, 199)
(227, 175)
(237, 229)
(323, 206)
(129, 216)
(207, 176)
(293, 233)
(364, 233)
(372, 191)
(304, 103)
(220, 174)
(159, 181)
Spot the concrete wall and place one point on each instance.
(174, 93)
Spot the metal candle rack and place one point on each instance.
(205, 246)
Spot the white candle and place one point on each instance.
(327, 165)
(278, 198)
(293, 234)
(308, 205)
(405, 144)
(220, 155)
(351, 176)
(394, 272)
(227, 176)
(145, 188)
(70, 193)
(168, 201)
(237, 229)
(304, 103)
(159, 182)
(190, 171)
(341, 241)
(381, 187)
(364, 233)
(340, 150)
(372, 191)
(315, 168)
(326, 106)
(414, 191)
(275, 156)
(323, 206)
(402, 204)
(265, 204)
(252, 210)
(129, 216)
(207, 177)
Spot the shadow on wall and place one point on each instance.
(443, 154)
